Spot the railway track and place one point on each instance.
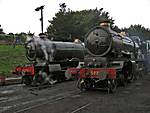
(31, 96)
(66, 98)
(51, 100)
(80, 108)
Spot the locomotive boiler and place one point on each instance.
(51, 51)
(102, 42)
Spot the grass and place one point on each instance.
(11, 57)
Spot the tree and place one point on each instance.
(138, 30)
(68, 24)
(1, 30)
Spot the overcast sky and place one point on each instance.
(19, 15)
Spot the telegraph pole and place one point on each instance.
(41, 19)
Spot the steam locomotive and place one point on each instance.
(48, 60)
(112, 60)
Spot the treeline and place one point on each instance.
(138, 30)
(12, 38)
(68, 24)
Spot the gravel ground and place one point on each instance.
(66, 98)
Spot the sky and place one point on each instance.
(20, 16)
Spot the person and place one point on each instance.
(78, 41)
(122, 34)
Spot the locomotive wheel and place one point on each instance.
(139, 75)
(83, 84)
(120, 80)
(131, 78)
(112, 85)
(123, 80)
(27, 80)
(42, 78)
